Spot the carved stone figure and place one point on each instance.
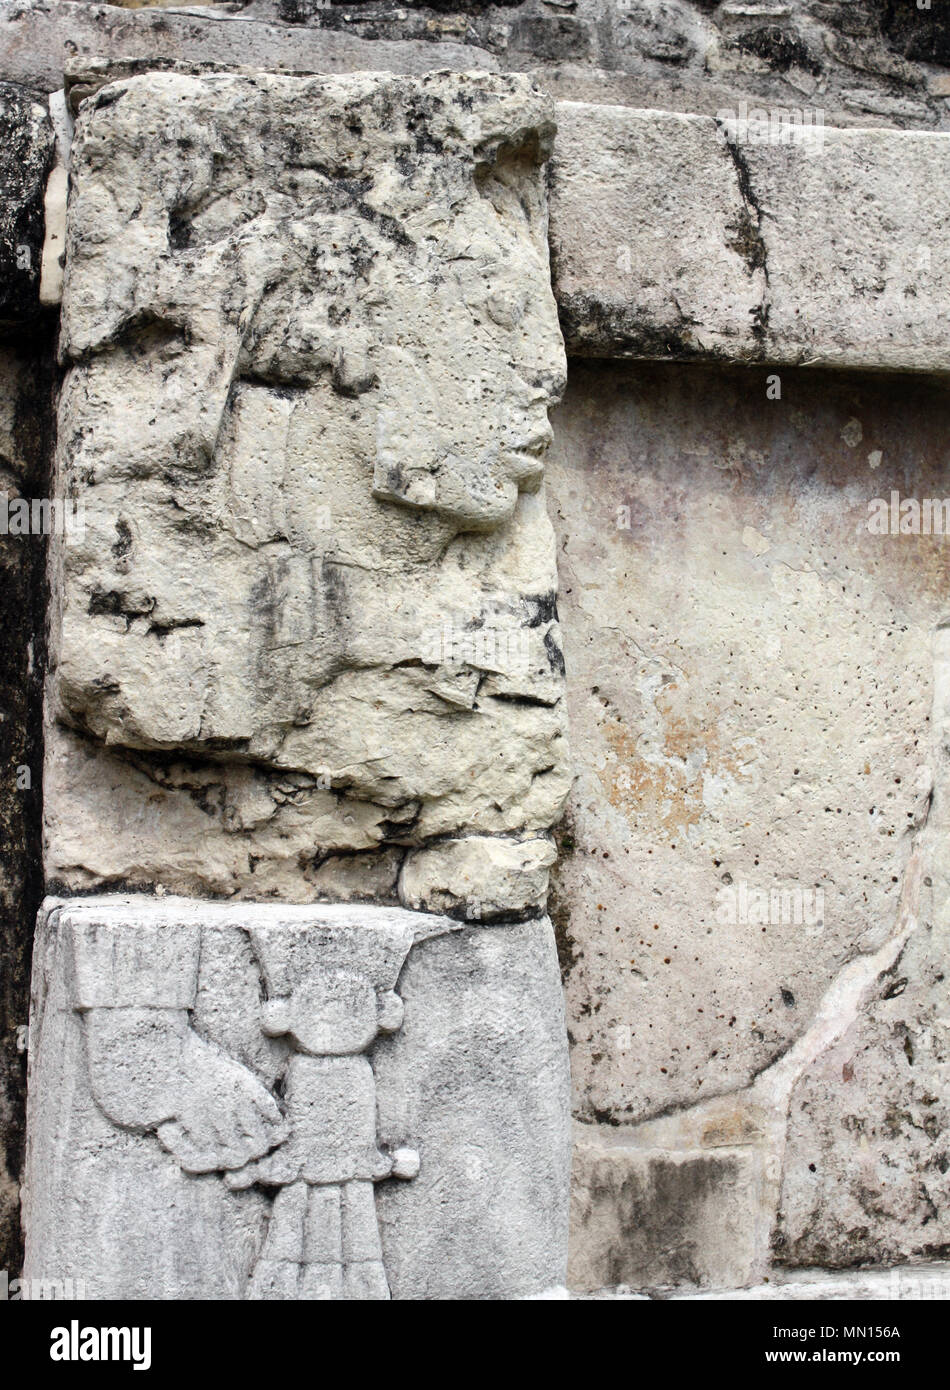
(314, 344)
(330, 991)
(217, 1090)
(305, 647)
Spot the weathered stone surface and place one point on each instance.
(734, 727)
(654, 247)
(317, 621)
(671, 241)
(204, 1090)
(26, 152)
(41, 40)
(866, 1164)
(305, 626)
(825, 249)
(865, 1176)
(854, 248)
(714, 732)
(648, 1219)
(479, 877)
(865, 64)
(248, 756)
(487, 1215)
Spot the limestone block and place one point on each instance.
(677, 237)
(225, 1139)
(478, 877)
(865, 1175)
(486, 1217)
(856, 249)
(314, 591)
(654, 1218)
(871, 64)
(653, 246)
(738, 642)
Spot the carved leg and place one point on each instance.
(364, 1276)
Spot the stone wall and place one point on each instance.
(749, 894)
(26, 433)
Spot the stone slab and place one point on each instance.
(672, 242)
(189, 1060)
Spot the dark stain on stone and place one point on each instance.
(779, 48)
(22, 616)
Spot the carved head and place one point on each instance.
(288, 299)
(418, 274)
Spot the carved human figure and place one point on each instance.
(312, 344)
(336, 355)
(330, 992)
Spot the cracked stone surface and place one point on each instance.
(714, 732)
(650, 238)
(676, 237)
(865, 1177)
(301, 619)
(735, 722)
(354, 691)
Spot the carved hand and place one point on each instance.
(150, 1070)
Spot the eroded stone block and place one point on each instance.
(677, 237)
(654, 1218)
(311, 610)
(654, 247)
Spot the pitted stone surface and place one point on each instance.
(719, 742)
(764, 714)
(314, 593)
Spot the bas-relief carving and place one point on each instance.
(310, 624)
(314, 345)
(329, 990)
(227, 1102)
